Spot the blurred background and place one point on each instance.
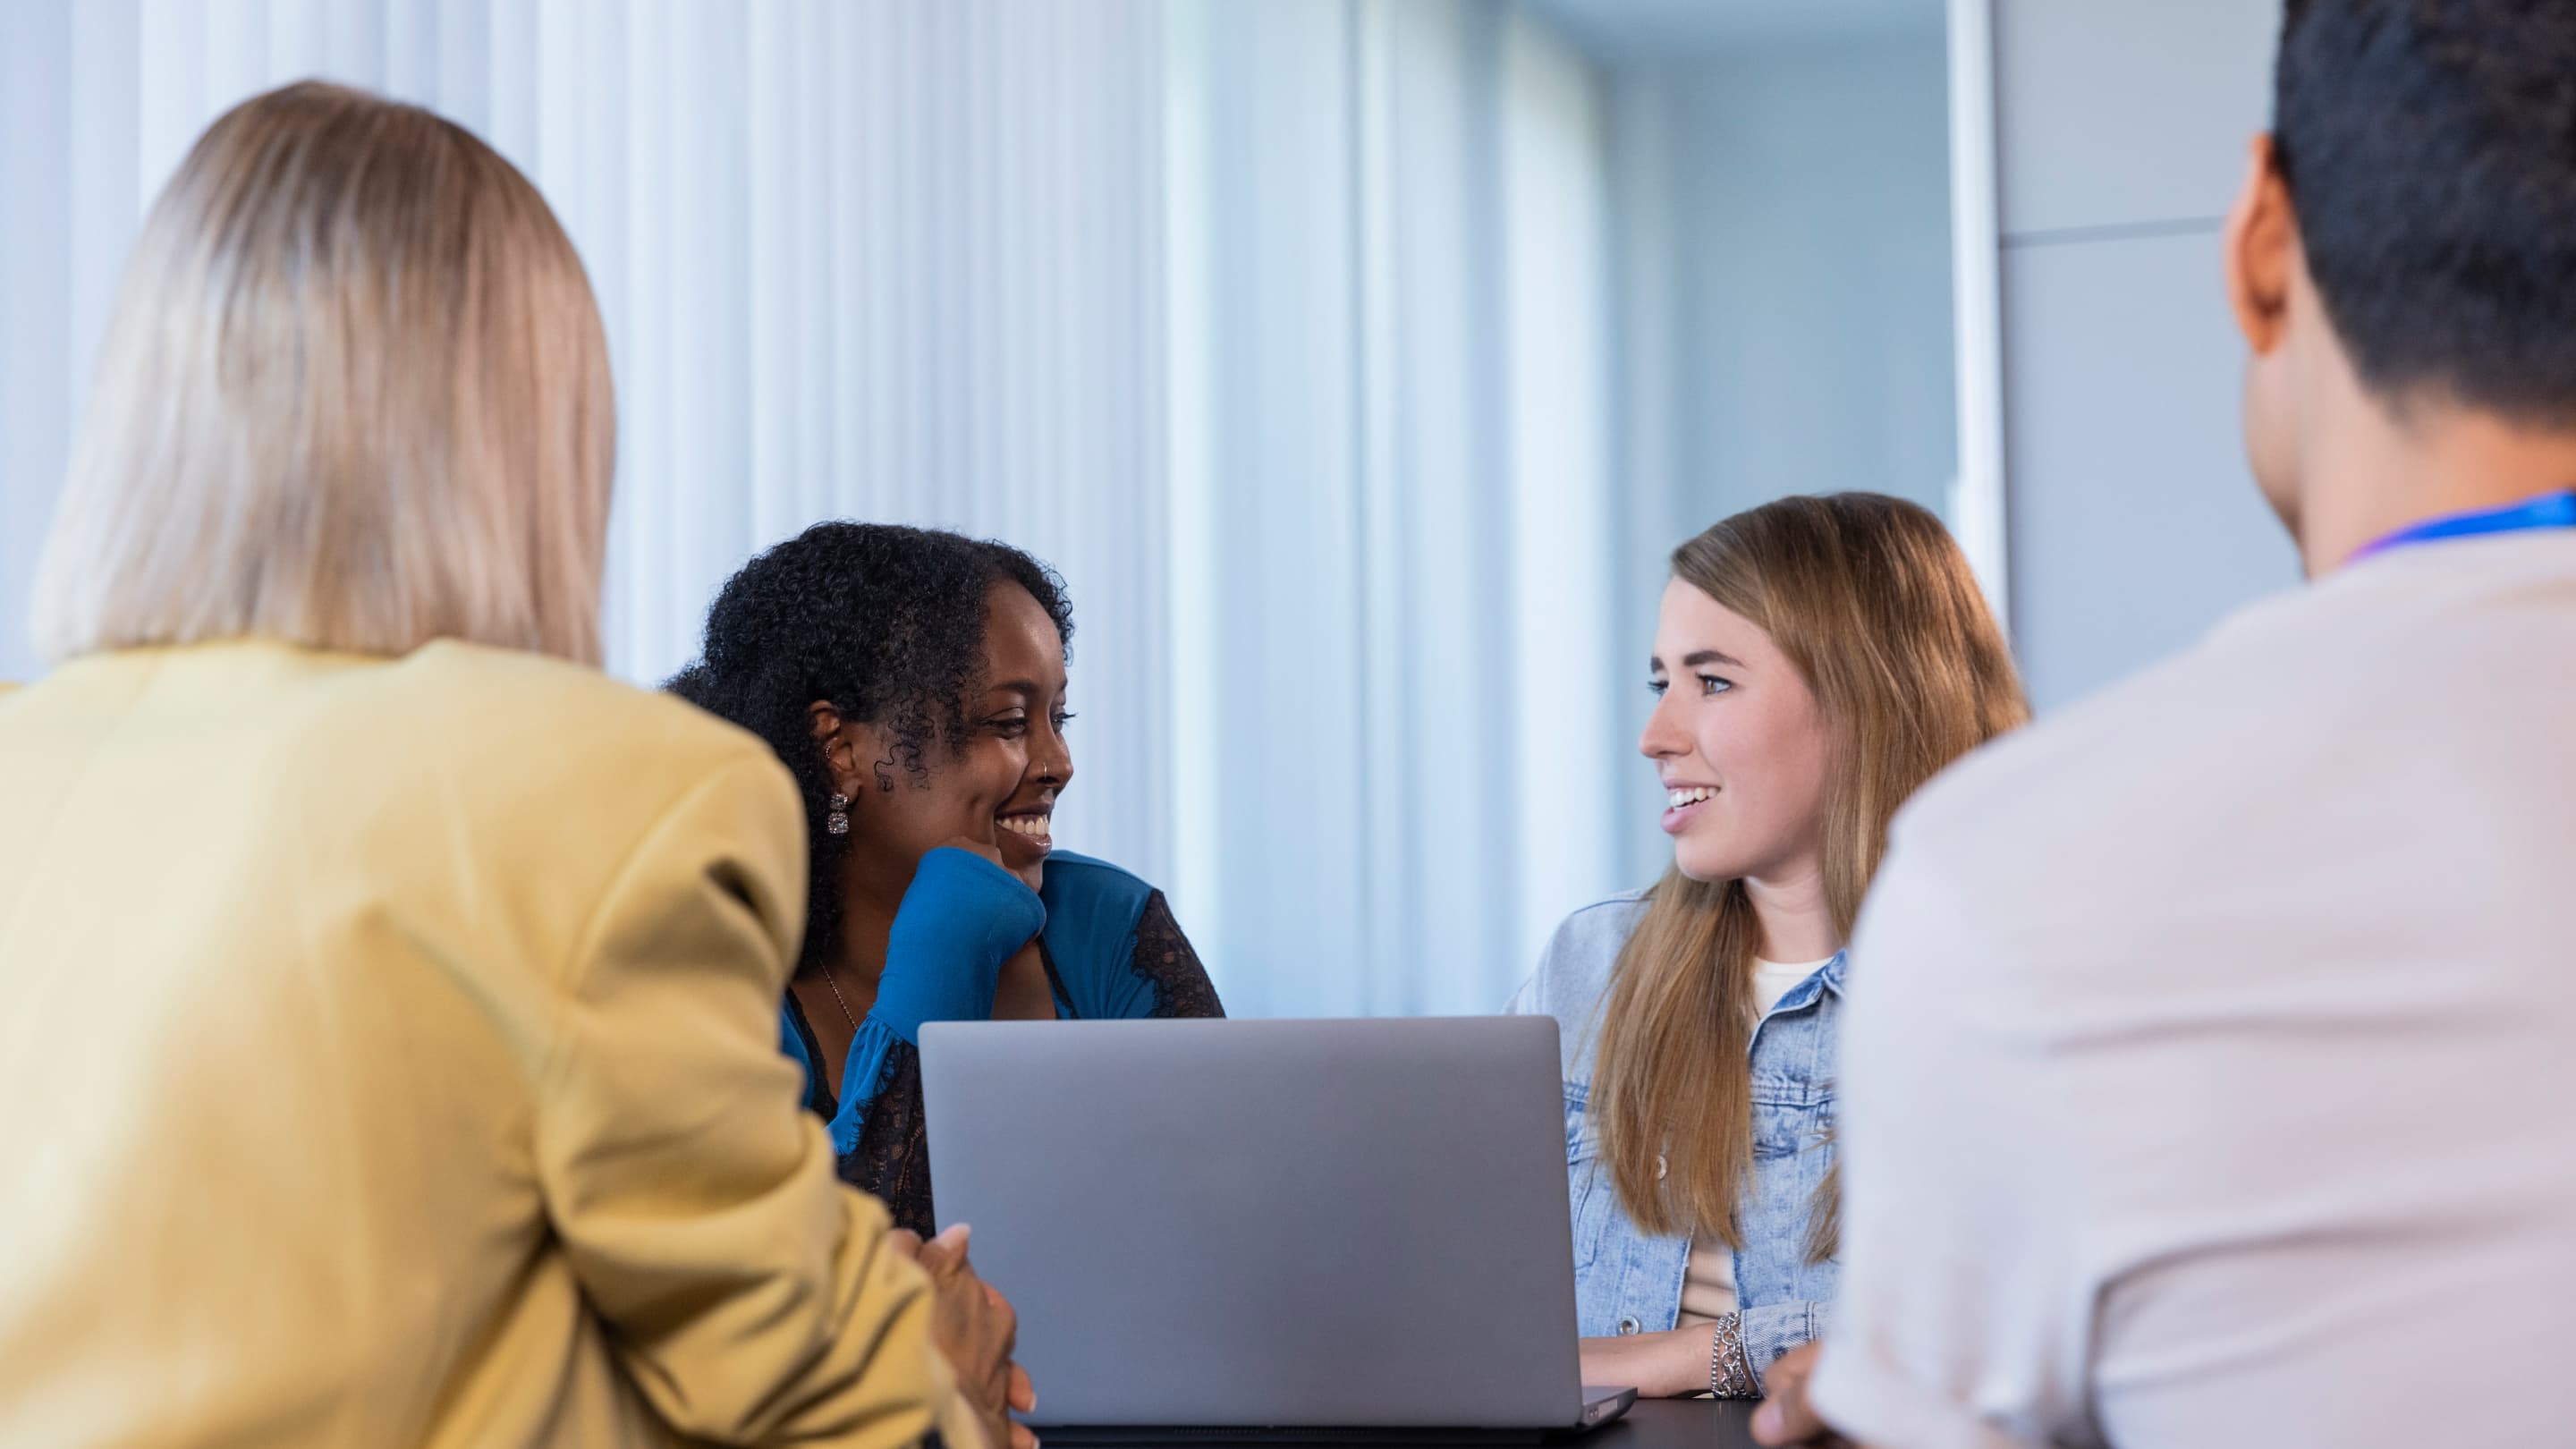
(1356, 361)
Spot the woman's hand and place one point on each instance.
(1786, 1417)
(976, 1330)
(1668, 1365)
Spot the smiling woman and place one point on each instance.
(914, 683)
(1816, 660)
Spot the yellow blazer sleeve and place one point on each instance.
(751, 1296)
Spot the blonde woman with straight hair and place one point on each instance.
(388, 1035)
(1816, 661)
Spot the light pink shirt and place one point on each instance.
(2210, 1073)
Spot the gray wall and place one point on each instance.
(2122, 128)
(1786, 284)
(1781, 221)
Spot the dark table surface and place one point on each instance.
(1652, 1424)
(1678, 1424)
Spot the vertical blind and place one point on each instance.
(1396, 735)
(1279, 329)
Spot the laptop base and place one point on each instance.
(1606, 1408)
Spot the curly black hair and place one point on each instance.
(883, 622)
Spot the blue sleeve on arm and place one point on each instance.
(962, 918)
(792, 1042)
(864, 1082)
(1125, 995)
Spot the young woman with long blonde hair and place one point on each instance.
(1817, 659)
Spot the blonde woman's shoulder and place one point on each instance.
(510, 797)
(526, 714)
(556, 784)
(541, 681)
(525, 763)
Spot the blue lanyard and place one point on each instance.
(2550, 510)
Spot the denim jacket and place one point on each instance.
(1629, 1282)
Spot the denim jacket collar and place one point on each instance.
(1804, 994)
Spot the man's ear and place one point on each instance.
(2262, 252)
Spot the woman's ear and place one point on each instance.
(840, 752)
(859, 757)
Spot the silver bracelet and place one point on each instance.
(1729, 1375)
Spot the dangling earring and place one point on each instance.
(837, 821)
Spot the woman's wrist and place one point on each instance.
(1685, 1370)
(1668, 1365)
(1730, 1371)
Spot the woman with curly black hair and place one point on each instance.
(914, 683)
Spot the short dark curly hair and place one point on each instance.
(2430, 147)
(883, 622)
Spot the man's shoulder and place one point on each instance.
(2135, 793)
(2281, 696)
(2070, 764)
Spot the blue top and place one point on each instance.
(1626, 1281)
(1111, 949)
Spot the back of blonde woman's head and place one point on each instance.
(355, 397)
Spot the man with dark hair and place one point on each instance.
(2210, 1069)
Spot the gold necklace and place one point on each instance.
(840, 1001)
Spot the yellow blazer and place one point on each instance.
(389, 1056)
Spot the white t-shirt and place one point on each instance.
(1708, 1283)
(2210, 1077)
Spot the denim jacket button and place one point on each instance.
(1628, 1327)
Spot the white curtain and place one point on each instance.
(1278, 328)
(1391, 601)
(897, 260)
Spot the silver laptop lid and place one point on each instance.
(1257, 1223)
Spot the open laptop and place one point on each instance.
(1271, 1229)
